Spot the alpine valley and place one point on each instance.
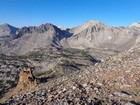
(91, 64)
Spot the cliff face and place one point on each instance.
(26, 82)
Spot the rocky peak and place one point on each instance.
(93, 24)
(63, 28)
(34, 29)
(6, 29)
(135, 25)
(5, 24)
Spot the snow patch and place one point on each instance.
(109, 37)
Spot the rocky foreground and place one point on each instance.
(91, 64)
(114, 81)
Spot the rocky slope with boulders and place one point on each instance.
(114, 81)
(91, 64)
(46, 64)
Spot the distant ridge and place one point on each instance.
(92, 35)
(135, 25)
(6, 29)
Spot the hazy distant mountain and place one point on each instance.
(92, 35)
(7, 30)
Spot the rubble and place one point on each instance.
(112, 82)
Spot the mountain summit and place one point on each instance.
(135, 25)
(89, 64)
(91, 23)
(92, 35)
(6, 30)
(95, 35)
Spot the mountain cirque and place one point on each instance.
(91, 64)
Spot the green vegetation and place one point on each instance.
(45, 74)
(65, 63)
(11, 58)
(82, 52)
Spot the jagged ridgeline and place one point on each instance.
(84, 57)
(93, 36)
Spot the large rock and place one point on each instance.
(26, 82)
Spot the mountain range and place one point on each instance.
(91, 64)
(93, 36)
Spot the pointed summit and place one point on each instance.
(6, 30)
(95, 24)
(5, 24)
(135, 25)
(94, 21)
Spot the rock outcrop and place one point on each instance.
(26, 82)
(115, 81)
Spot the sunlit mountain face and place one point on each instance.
(91, 64)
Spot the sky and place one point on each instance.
(69, 13)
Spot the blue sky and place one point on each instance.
(69, 13)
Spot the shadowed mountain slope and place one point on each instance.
(93, 36)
